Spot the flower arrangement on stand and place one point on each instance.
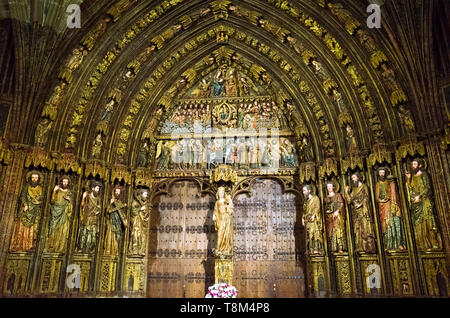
(221, 291)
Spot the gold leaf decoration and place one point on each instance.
(328, 168)
(120, 172)
(307, 172)
(66, 162)
(398, 97)
(410, 148)
(377, 58)
(95, 167)
(38, 157)
(352, 163)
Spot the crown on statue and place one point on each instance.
(224, 173)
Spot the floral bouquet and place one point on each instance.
(221, 291)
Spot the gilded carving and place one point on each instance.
(60, 216)
(28, 215)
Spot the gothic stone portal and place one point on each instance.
(266, 243)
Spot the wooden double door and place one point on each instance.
(268, 242)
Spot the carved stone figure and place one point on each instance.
(72, 64)
(140, 216)
(115, 223)
(287, 153)
(60, 216)
(312, 221)
(89, 218)
(335, 213)
(352, 144)
(28, 215)
(42, 132)
(91, 37)
(107, 112)
(306, 152)
(421, 205)
(223, 222)
(389, 211)
(163, 154)
(359, 200)
(143, 155)
(97, 145)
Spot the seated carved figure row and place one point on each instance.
(242, 153)
(388, 208)
(30, 212)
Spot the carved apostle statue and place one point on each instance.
(358, 198)
(389, 211)
(28, 215)
(89, 218)
(223, 222)
(60, 213)
(421, 205)
(335, 211)
(312, 220)
(115, 223)
(140, 215)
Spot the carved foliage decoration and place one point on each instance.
(38, 157)
(67, 162)
(328, 168)
(95, 167)
(411, 148)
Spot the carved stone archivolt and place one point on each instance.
(317, 120)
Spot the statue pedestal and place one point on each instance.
(223, 268)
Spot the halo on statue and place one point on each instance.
(30, 173)
(360, 175)
(386, 170)
(421, 161)
(139, 191)
(117, 186)
(63, 178)
(334, 182)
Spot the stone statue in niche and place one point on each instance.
(60, 216)
(352, 144)
(42, 132)
(306, 152)
(73, 63)
(107, 112)
(389, 211)
(142, 158)
(97, 145)
(359, 200)
(140, 216)
(335, 214)
(115, 223)
(287, 153)
(420, 198)
(91, 205)
(312, 220)
(223, 222)
(28, 216)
